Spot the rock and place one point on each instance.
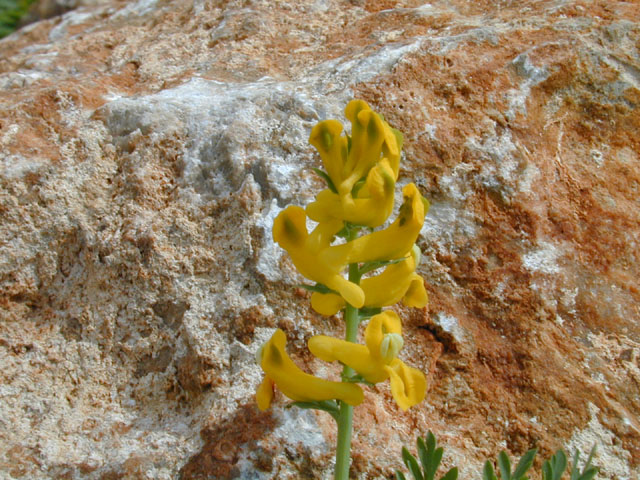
(147, 147)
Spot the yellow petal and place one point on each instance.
(390, 286)
(374, 203)
(416, 295)
(321, 236)
(327, 303)
(326, 207)
(372, 207)
(290, 228)
(408, 384)
(379, 325)
(264, 394)
(356, 356)
(298, 385)
(388, 244)
(391, 150)
(325, 136)
(367, 136)
(351, 292)
(290, 231)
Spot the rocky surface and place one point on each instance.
(147, 147)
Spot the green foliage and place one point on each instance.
(588, 472)
(371, 266)
(11, 11)
(322, 174)
(552, 469)
(430, 457)
(318, 287)
(504, 465)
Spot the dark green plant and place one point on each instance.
(430, 457)
(504, 464)
(11, 11)
(552, 469)
(589, 471)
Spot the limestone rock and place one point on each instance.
(147, 147)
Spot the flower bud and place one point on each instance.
(390, 346)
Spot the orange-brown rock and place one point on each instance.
(147, 147)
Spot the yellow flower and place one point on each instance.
(280, 370)
(377, 359)
(349, 159)
(391, 243)
(398, 282)
(325, 136)
(368, 133)
(290, 231)
(371, 207)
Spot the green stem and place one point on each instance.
(345, 417)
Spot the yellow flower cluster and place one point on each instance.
(361, 172)
(376, 361)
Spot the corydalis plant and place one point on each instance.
(361, 171)
(552, 469)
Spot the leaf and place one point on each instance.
(590, 457)
(487, 472)
(318, 287)
(505, 466)
(429, 456)
(370, 266)
(400, 475)
(431, 443)
(329, 406)
(327, 179)
(575, 473)
(560, 464)
(524, 464)
(358, 379)
(588, 472)
(553, 468)
(452, 474)
(367, 312)
(412, 464)
(436, 458)
(423, 454)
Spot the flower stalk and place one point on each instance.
(345, 417)
(361, 171)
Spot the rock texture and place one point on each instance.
(147, 147)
